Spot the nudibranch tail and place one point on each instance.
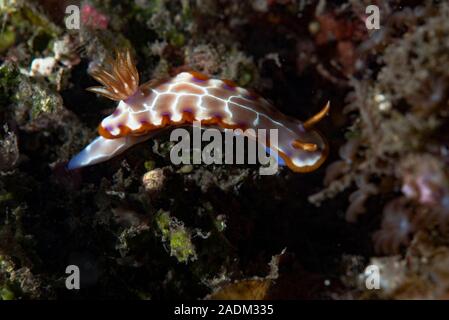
(120, 78)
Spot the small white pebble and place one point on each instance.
(42, 66)
(383, 103)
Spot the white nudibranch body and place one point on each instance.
(190, 96)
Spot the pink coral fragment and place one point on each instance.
(91, 17)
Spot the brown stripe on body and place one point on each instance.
(214, 107)
(164, 103)
(261, 106)
(163, 87)
(242, 116)
(185, 87)
(220, 93)
(263, 123)
(187, 104)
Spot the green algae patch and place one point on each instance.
(177, 236)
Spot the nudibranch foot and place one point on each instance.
(101, 149)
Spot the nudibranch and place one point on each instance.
(147, 109)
